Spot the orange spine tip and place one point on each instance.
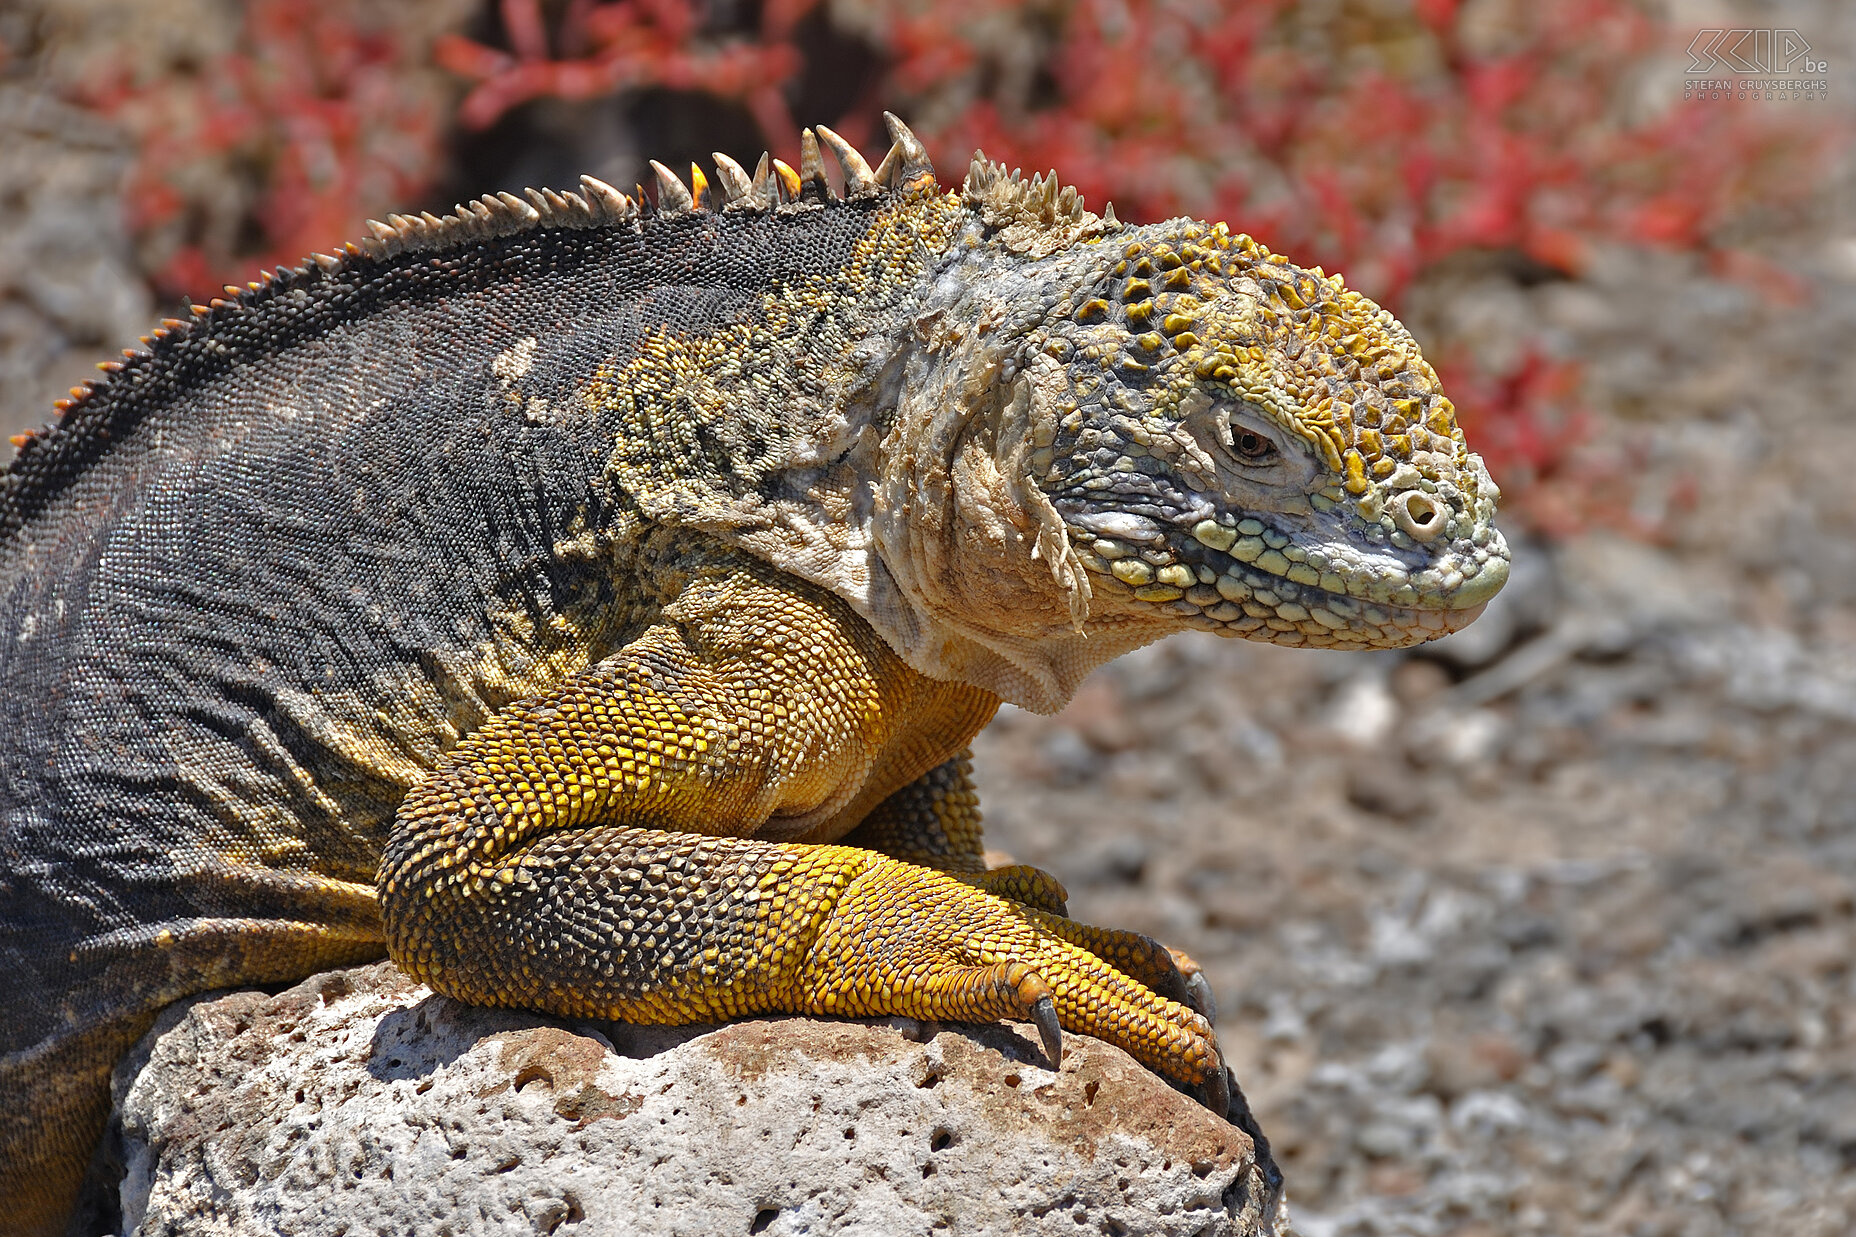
(789, 179)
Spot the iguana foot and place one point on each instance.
(903, 939)
(1168, 971)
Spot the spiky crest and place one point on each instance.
(905, 167)
(1035, 217)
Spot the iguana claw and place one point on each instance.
(1218, 1091)
(1044, 1013)
(1199, 996)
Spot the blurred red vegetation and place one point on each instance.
(314, 116)
(630, 45)
(1541, 443)
(1377, 142)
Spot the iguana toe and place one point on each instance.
(1170, 972)
(1026, 885)
(1198, 988)
(904, 939)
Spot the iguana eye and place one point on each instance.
(1252, 446)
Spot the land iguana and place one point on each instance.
(587, 602)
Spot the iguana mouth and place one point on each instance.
(1246, 579)
(1241, 599)
(1370, 626)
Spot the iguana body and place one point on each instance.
(591, 607)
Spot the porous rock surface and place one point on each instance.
(359, 1102)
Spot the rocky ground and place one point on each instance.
(1544, 930)
(359, 1102)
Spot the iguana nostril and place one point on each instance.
(1418, 514)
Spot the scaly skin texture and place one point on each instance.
(590, 606)
(579, 831)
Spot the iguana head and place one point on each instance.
(1250, 446)
(1117, 432)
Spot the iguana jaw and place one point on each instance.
(1265, 586)
(1315, 572)
(1248, 578)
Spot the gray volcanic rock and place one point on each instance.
(360, 1102)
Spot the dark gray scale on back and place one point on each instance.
(228, 562)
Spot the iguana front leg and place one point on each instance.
(584, 853)
(934, 821)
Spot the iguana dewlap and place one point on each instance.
(589, 603)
